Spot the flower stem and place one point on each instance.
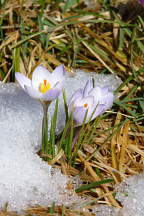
(45, 147)
(77, 134)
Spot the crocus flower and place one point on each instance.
(90, 102)
(141, 2)
(44, 86)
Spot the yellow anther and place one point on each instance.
(44, 87)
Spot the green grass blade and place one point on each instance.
(92, 185)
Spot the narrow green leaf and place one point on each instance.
(69, 4)
(52, 211)
(92, 185)
(17, 59)
(53, 129)
(65, 104)
(121, 39)
(69, 148)
(126, 108)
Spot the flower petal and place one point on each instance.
(50, 95)
(141, 2)
(96, 93)
(106, 89)
(33, 92)
(59, 85)
(105, 104)
(57, 76)
(79, 109)
(108, 100)
(39, 75)
(77, 94)
(88, 87)
(58, 73)
(98, 110)
(79, 115)
(85, 100)
(22, 80)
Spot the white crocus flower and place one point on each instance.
(44, 86)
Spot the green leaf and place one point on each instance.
(121, 39)
(65, 104)
(92, 185)
(141, 102)
(53, 129)
(17, 59)
(69, 4)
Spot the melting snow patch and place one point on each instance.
(103, 210)
(25, 180)
(131, 195)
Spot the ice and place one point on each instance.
(131, 195)
(25, 180)
(104, 210)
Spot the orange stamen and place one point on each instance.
(45, 82)
(86, 105)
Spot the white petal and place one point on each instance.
(79, 116)
(98, 110)
(51, 94)
(39, 75)
(22, 80)
(79, 110)
(105, 104)
(108, 100)
(87, 100)
(58, 73)
(96, 93)
(59, 85)
(33, 92)
(76, 95)
(88, 87)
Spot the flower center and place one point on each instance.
(85, 105)
(45, 86)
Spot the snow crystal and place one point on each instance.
(25, 180)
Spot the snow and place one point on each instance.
(26, 180)
(131, 195)
(104, 210)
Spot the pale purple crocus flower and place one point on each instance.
(45, 87)
(89, 103)
(141, 2)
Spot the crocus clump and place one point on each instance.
(88, 103)
(45, 87)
